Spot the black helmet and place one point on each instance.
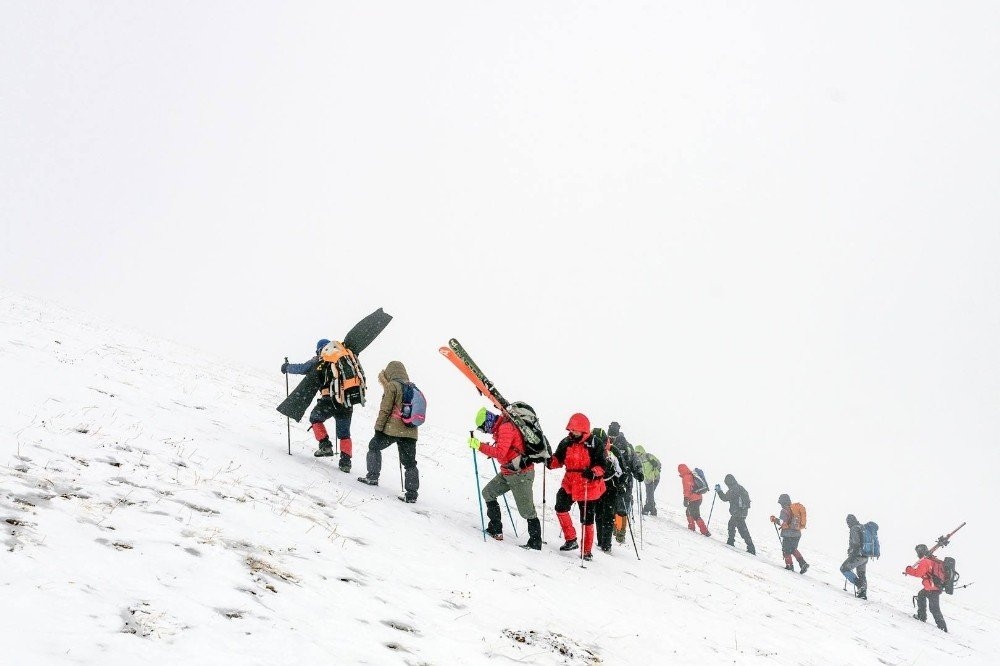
(922, 550)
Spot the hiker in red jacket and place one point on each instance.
(583, 456)
(516, 475)
(924, 570)
(692, 500)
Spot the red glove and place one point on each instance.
(773, 519)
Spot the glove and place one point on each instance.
(773, 519)
(474, 443)
(284, 367)
(718, 488)
(640, 477)
(325, 400)
(588, 474)
(686, 501)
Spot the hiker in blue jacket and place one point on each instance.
(854, 566)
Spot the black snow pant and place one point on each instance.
(932, 598)
(859, 565)
(605, 514)
(588, 510)
(737, 522)
(407, 457)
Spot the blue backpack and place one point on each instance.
(700, 483)
(413, 411)
(869, 540)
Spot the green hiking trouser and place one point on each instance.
(520, 485)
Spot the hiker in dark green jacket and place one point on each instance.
(651, 473)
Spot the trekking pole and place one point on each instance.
(714, 495)
(288, 420)
(583, 528)
(479, 494)
(544, 512)
(505, 502)
(401, 484)
(778, 534)
(638, 490)
(631, 532)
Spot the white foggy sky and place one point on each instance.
(764, 238)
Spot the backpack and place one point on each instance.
(798, 515)
(413, 410)
(869, 540)
(700, 485)
(536, 444)
(943, 574)
(348, 377)
(743, 499)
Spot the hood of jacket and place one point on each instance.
(730, 480)
(395, 371)
(683, 470)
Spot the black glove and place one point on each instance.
(588, 474)
(325, 400)
(284, 367)
(640, 477)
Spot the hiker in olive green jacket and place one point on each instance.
(390, 429)
(651, 473)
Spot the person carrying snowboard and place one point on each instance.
(791, 531)
(327, 406)
(630, 468)
(651, 475)
(931, 593)
(855, 565)
(692, 500)
(583, 483)
(390, 429)
(507, 449)
(739, 507)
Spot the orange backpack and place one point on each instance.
(348, 377)
(798, 516)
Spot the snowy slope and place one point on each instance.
(152, 512)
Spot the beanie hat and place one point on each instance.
(485, 420)
(322, 342)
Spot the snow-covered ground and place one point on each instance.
(152, 512)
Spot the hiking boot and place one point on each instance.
(706, 533)
(497, 537)
(534, 534)
(345, 462)
(917, 617)
(861, 594)
(751, 550)
(619, 536)
(803, 567)
(789, 567)
(943, 627)
(408, 500)
(325, 449)
(531, 546)
(606, 549)
(587, 557)
(368, 482)
(731, 543)
(570, 545)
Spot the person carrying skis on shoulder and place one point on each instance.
(515, 476)
(931, 593)
(326, 407)
(583, 482)
(739, 507)
(790, 534)
(390, 429)
(651, 474)
(692, 500)
(631, 468)
(856, 564)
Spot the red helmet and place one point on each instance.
(578, 423)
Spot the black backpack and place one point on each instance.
(536, 444)
(944, 576)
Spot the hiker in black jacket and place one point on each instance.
(631, 468)
(854, 566)
(739, 507)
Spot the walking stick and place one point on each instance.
(505, 502)
(583, 528)
(778, 533)
(544, 512)
(714, 495)
(632, 532)
(479, 494)
(402, 486)
(288, 421)
(638, 490)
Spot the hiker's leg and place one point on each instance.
(922, 605)
(846, 568)
(731, 531)
(408, 459)
(563, 504)
(934, 599)
(522, 488)
(374, 458)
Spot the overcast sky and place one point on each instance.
(763, 236)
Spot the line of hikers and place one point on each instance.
(600, 468)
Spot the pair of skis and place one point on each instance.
(460, 358)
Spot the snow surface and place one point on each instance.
(152, 512)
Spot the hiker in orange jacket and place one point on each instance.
(931, 593)
(791, 532)
(692, 500)
(583, 456)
